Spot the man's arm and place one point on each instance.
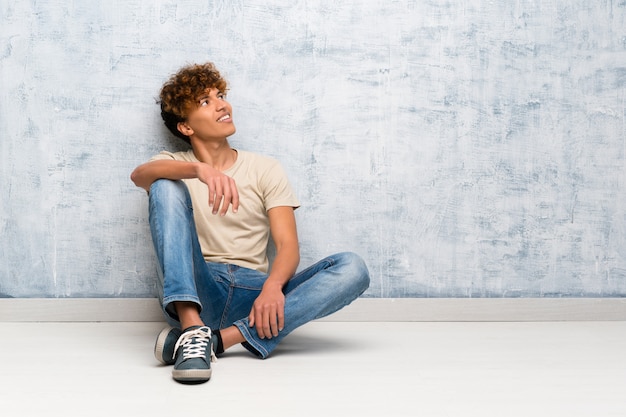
(268, 310)
(220, 186)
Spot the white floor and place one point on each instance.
(324, 369)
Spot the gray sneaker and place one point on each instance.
(164, 346)
(194, 353)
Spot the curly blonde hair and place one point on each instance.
(180, 94)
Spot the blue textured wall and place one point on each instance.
(465, 148)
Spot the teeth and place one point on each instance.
(226, 117)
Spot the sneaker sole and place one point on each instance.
(160, 344)
(191, 375)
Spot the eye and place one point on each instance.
(204, 102)
(221, 96)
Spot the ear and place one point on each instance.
(184, 129)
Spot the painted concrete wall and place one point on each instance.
(464, 148)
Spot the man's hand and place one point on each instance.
(222, 189)
(268, 311)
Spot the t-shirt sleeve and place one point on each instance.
(163, 155)
(277, 190)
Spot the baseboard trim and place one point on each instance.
(363, 309)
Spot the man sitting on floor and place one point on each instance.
(212, 211)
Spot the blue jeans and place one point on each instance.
(225, 293)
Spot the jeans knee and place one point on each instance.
(165, 186)
(358, 270)
(164, 190)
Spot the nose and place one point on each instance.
(221, 105)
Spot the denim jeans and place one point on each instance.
(225, 293)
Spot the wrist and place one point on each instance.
(271, 284)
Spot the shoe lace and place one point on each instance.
(194, 344)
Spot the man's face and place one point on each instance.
(212, 118)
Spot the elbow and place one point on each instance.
(138, 179)
(135, 178)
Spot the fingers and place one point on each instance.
(222, 194)
(211, 186)
(263, 323)
(235, 195)
(217, 198)
(274, 323)
(230, 196)
(281, 321)
(268, 321)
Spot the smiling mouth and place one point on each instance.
(224, 118)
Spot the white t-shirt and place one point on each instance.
(239, 238)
